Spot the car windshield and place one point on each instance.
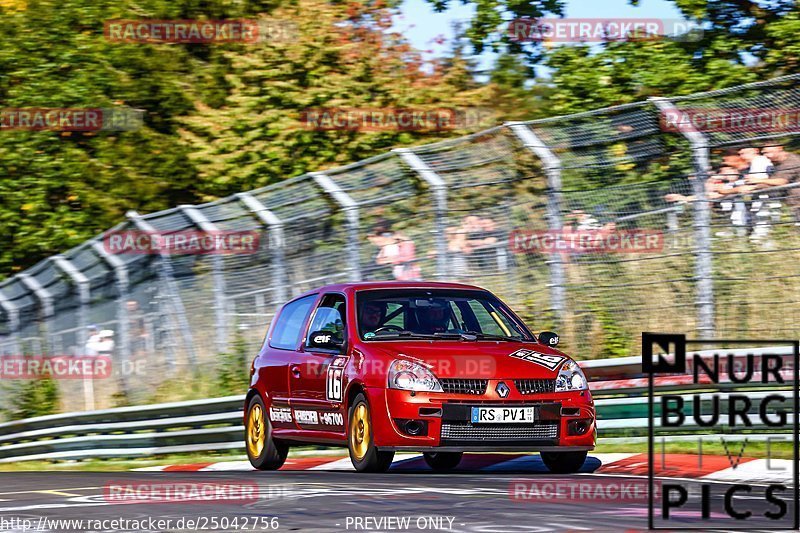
(435, 314)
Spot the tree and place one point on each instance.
(488, 27)
(344, 56)
(217, 118)
(741, 41)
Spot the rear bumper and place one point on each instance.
(446, 419)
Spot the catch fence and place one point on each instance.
(726, 266)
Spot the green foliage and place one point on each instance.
(232, 368)
(492, 17)
(218, 119)
(341, 58)
(615, 340)
(36, 397)
(741, 41)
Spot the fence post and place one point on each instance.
(12, 313)
(702, 220)
(276, 242)
(173, 294)
(439, 191)
(45, 299)
(82, 284)
(122, 344)
(552, 169)
(350, 208)
(220, 304)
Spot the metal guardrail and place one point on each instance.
(216, 423)
(200, 425)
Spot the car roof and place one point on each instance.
(367, 285)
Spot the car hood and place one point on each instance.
(476, 360)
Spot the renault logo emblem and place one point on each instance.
(502, 390)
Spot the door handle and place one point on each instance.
(295, 370)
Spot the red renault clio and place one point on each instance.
(437, 368)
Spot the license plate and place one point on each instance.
(502, 415)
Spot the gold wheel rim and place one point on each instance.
(256, 435)
(360, 431)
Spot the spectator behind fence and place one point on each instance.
(583, 221)
(727, 180)
(456, 250)
(786, 171)
(761, 209)
(106, 344)
(93, 341)
(137, 329)
(481, 237)
(396, 250)
(472, 243)
(759, 165)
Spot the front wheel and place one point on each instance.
(363, 453)
(443, 461)
(563, 462)
(264, 452)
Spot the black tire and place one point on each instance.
(563, 462)
(360, 443)
(264, 452)
(443, 461)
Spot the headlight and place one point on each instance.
(407, 375)
(570, 378)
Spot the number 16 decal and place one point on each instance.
(333, 385)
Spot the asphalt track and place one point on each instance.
(475, 501)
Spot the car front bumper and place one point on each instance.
(447, 426)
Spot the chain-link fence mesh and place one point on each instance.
(723, 262)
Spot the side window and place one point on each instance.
(330, 316)
(289, 327)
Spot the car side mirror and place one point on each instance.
(549, 338)
(325, 340)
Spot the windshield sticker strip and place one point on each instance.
(550, 362)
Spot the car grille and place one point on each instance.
(499, 432)
(464, 386)
(535, 386)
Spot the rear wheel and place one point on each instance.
(563, 462)
(443, 461)
(363, 453)
(264, 452)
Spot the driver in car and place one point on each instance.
(372, 316)
(433, 319)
